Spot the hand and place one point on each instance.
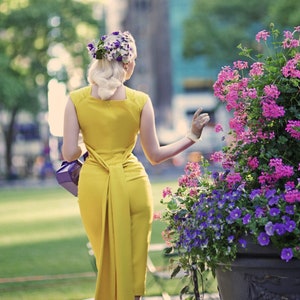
(198, 122)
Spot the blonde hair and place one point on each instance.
(107, 75)
(108, 72)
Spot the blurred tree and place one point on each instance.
(214, 27)
(33, 34)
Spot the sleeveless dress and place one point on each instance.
(114, 192)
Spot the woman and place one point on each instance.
(114, 192)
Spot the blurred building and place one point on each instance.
(177, 86)
(161, 69)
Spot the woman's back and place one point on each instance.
(109, 126)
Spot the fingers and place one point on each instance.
(199, 121)
(202, 116)
(202, 119)
(197, 113)
(205, 119)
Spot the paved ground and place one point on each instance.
(166, 297)
(206, 297)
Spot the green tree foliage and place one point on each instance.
(30, 31)
(214, 27)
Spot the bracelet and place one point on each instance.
(190, 135)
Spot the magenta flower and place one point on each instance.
(253, 162)
(262, 35)
(166, 192)
(218, 128)
(293, 128)
(271, 110)
(233, 178)
(240, 65)
(217, 156)
(271, 91)
(257, 69)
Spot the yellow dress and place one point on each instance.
(114, 193)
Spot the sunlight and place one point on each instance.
(57, 100)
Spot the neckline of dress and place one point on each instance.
(109, 100)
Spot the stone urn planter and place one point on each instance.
(259, 273)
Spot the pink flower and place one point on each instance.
(271, 110)
(226, 75)
(257, 69)
(287, 34)
(166, 192)
(157, 215)
(233, 178)
(193, 192)
(262, 35)
(240, 65)
(253, 162)
(192, 169)
(290, 43)
(290, 68)
(281, 170)
(271, 91)
(237, 124)
(183, 180)
(218, 128)
(292, 196)
(293, 128)
(227, 163)
(217, 156)
(251, 93)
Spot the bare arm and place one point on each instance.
(153, 151)
(70, 148)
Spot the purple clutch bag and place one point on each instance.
(68, 175)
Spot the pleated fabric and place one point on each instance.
(114, 193)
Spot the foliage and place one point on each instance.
(256, 195)
(212, 27)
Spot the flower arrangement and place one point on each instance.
(255, 194)
(116, 46)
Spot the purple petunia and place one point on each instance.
(263, 239)
(259, 212)
(286, 254)
(269, 228)
(246, 219)
(235, 214)
(290, 209)
(274, 212)
(290, 226)
(279, 228)
(243, 243)
(254, 194)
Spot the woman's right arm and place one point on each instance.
(149, 141)
(70, 148)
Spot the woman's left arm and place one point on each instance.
(70, 148)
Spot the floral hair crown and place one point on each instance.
(115, 46)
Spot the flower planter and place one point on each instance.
(259, 273)
(256, 192)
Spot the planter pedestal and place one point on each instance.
(259, 274)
